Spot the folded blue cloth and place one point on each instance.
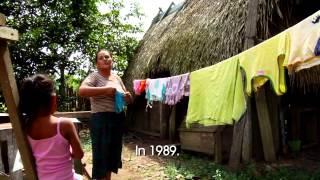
(119, 103)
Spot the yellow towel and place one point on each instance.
(216, 94)
(303, 40)
(265, 61)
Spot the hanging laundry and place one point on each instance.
(119, 102)
(142, 87)
(176, 88)
(304, 37)
(317, 48)
(136, 85)
(216, 94)
(155, 90)
(185, 79)
(265, 62)
(139, 86)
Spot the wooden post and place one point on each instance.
(265, 125)
(236, 147)
(247, 134)
(273, 102)
(250, 34)
(163, 121)
(13, 156)
(11, 96)
(282, 129)
(218, 145)
(172, 124)
(242, 133)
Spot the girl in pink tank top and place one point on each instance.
(54, 141)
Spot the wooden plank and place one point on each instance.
(4, 115)
(78, 114)
(247, 134)
(250, 34)
(251, 24)
(265, 125)
(197, 141)
(14, 158)
(11, 161)
(257, 149)
(218, 145)
(273, 106)
(236, 147)
(4, 126)
(162, 130)
(7, 33)
(163, 121)
(11, 96)
(145, 132)
(2, 19)
(283, 129)
(172, 124)
(2, 144)
(208, 129)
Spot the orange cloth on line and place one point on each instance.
(142, 86)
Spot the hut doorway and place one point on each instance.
(303, 117)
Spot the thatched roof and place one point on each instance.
(205, 32)
(200, 34)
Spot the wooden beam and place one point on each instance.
(247, 134)
(172, 124)
(284, 146)
(77, 114)
(265, 125)
(11, 96)
(250, 34)
(7, 33)
(218, 145)
(2, 19)
(236, 147)
(273, 102)
(163, 121)
(145, 132)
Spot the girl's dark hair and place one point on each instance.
(96, 59)
(35, 96)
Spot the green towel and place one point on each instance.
(216, 94)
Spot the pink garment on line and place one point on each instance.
(136, 85)
(53, 157)
(139, 86)
(177, 87)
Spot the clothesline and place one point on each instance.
(216, 92)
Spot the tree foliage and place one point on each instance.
(61, 37)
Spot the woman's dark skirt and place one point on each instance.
(106, 130)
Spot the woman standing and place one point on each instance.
(106, 126)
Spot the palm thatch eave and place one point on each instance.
(202, 33)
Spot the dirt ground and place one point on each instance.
(135, 167)
(148, 167)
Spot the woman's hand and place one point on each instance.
(127, 97)
(110, 91)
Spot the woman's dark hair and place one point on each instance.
(96, 59)
(35, 96)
